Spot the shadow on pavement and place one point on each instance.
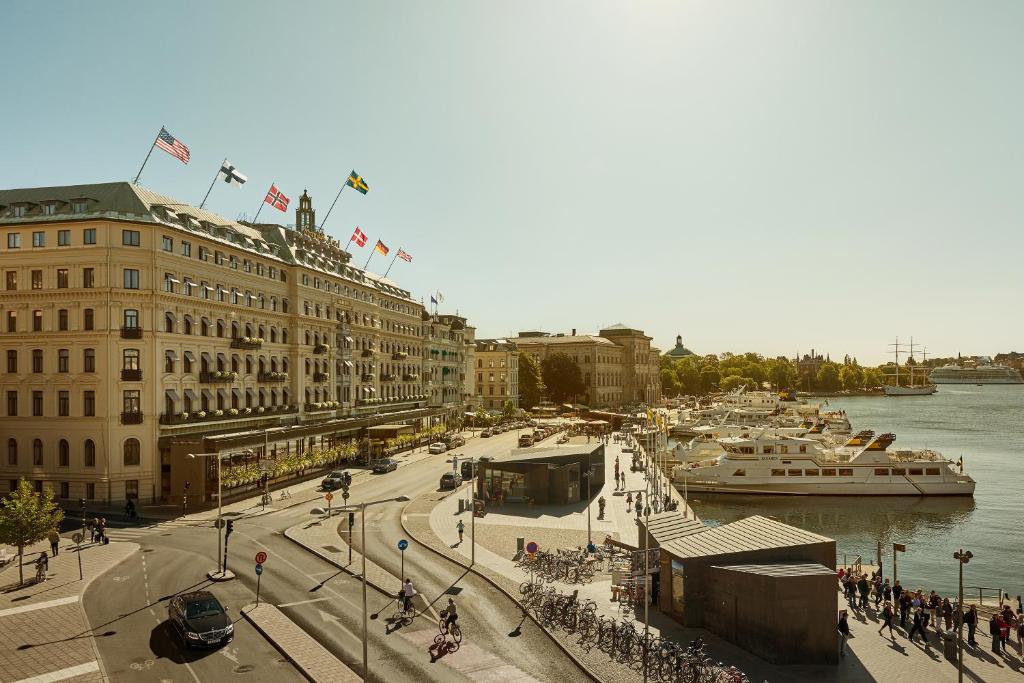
(164, 642)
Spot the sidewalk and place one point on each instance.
(301, 649)
(44, 632)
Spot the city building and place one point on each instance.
(619, 365)
(497, 373)
(808, 366)
(449, 345)
(138, 329)
(679, 351)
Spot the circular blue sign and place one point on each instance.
(259, 569)
(403, 544)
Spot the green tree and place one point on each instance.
(873, 377)
(709, 377)
(851, 376)
(828, 377)
(731, 382)
(531, 384)
(508, 411)
(782, 374)
(670, 385)
(562, 378)
(25, 518)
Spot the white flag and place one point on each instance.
(230, 175)
(440, 296)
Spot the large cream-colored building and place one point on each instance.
(137, 329)
(619, 365)
(497, 373)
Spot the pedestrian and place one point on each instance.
(629, 502)
(863, 586)
(993, 629)
(887, 615)
(947, 613)
(904, 609)
(54, 539)
(101, 530)
(461, 526)
(887, 591)
(934, 605)
(1006, 626)
(844, 632)
(600, 507)
(93, 529)
(897, 590)
(129, 509)
(639, 507)
(918, 626)
(971, 619)
(622, 476)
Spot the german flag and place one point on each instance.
(381, 248)
(356, 181)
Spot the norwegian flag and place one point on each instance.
(404, 256)
(359, 237)
(276, 199)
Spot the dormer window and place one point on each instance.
(78, 206)
(49, 209)
(19, 211)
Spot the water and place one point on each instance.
(981, 423)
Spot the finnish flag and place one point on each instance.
(230, 175)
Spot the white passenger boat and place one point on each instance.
(982, 374)
(870, 470)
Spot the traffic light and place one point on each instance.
(230, 528)
(351, 519)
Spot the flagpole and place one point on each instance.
(201, 204)
(393, 259)
(372, 252)
(332, 206)
(261, 205)
(349, 239)
(146, 160)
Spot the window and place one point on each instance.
(810, 473)
(87, 319)
(778, 473)
(62, 278)
(37, 321)
(89, 360)
(186, 248)
(78, 206)
(37, 404)
(12, 403)
(845, 471)
(916, 472)
(130, 238)
(63, 455)
(62, 319)
(89, 453)
(37, 453)
(739, 473)
(90, 491)
(65, 489)
(89, 236)
(39, 238)
(932, 471)
(167, 243)
(12, 452)
(37, 279)
(63, 238)
(899, 471)
(132, 452)
(62, 360)
(50, 209)
(132, 401)
(12, 279)
(131, 278)
(795, 473)
(130, 359)
(88, 278)
(12, 360)
(37, 360)
(14, 240)
(131, 318)
(881, 471)
(89, 404)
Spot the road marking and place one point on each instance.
(64, 674)
(39, 605)
(303, 602)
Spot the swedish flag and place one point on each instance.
(356, 181)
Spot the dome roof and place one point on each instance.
(679, 351)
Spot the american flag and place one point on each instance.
(172, 145)
(404, 256)
(276, 199)
(359, 237)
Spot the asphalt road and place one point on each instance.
(325, 602)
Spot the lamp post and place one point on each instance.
(647, 574)
(963, 557)
(219, 572)
(587, 475)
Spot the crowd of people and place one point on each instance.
(914, 612)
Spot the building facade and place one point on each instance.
(497, 373)
(134, 324)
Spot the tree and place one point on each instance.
(851, 377)
(26, 518)
(531, 385)
(562, 377)
(873, 378)
(669, 382)
(508, 411)
(709, 378)
(732, 382)
(828, 377)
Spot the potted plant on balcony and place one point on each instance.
(201, 414)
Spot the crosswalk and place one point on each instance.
(133, 533)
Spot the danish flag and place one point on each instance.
(359, 237)
(276, 199)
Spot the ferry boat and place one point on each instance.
(982, 374)
(869, 470)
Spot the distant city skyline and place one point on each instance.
(754, 180)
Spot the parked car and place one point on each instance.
(455, 441)
(385, 465)
(438, 447)
(200, 619)
(468, 469)
(451, 480)
(486, 433)
(525, 440)
(335, 480)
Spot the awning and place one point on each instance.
(190, 356)
(171, 353)
(206, 356)
(349, 364)
(191, 395)
(207, 394)
(349, 339)
(235, 391)
(171, 394)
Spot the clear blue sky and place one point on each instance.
(752, 175)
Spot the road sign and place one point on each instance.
(899, 547)
(261, 557)
(329, 497)
(403, 544)
(259, 569)
(77, 538)
(344, 494)
(219, 523)
(532, 547)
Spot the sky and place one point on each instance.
(755, 176)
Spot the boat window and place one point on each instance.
(778, 473)
(899, 471)
(810, 473)
(916, 472)
(795, 473)
(803, 449)
(787, 462)
(932, 471)
(766, 449)
(845, 471)
(881, 472)
(783, 449)
(828, 473)
(739, 473)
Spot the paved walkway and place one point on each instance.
(301, 649)
(44, 633)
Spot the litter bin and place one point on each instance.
(462, 505)
(949, 645)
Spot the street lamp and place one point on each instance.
(219, 572)
(963, 557)
(587, 475)
(647, 573)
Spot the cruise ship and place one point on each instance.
(983, 374)
(870, 470)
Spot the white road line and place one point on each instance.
(303, 602)
(39, 605)
(64, 674)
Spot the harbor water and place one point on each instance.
(984, 425)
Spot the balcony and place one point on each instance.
(273, 377)
(321, 377)
(321, 348)
(367, 353)
(399, 355)
(323, 405)
(217, 377)
(227, 414)
(247, 342)
(132, 418)
(410, 378)
(131, 333)
(368, 378)
(388, 378)
(131, 375)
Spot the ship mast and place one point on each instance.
(896, 351)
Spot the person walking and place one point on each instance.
(101, 530)
(918, 626)
(863, 586)
(1006, 626)
(622, 476)
(887, 615)
(993, 629)
(897, 591)
(971, 619)
(934, 605)
(629, 502)
(129, 509)
(887, 591)
(947, 613)
(600, 507)
(844, 632)
(54, 538)
(904, 609)
(639, 507)
(93, 529)
(461, 526)
(877, 586)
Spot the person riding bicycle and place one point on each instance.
(450, 614)
(407, 594)
(42, 566)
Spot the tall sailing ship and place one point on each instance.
(894, 389)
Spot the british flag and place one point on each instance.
(359, 237)
(276, 199)
(404, 256)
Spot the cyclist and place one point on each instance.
(407, 594)
(42, 565)
(450, 614)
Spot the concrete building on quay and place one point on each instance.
(138, 329)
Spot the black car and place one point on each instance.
(451, 480)
(200, 619)
(335, 480)
(385, 465)
(467, 469)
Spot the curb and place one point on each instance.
(583, 667)
(344, 568)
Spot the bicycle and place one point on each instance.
(403, 615)
(284, 495)
(266, 499)
(40, 573)
(445, 630)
